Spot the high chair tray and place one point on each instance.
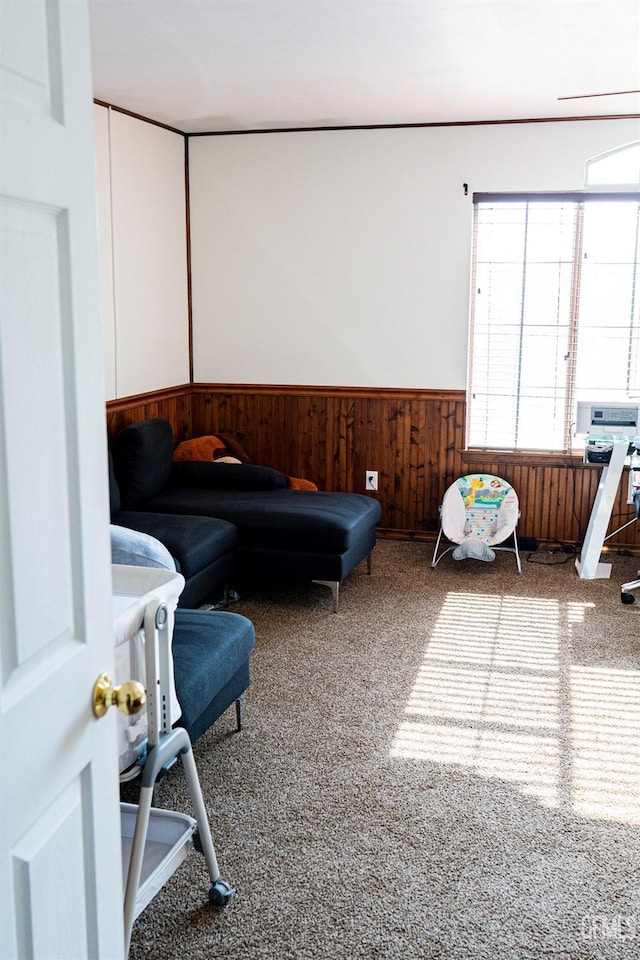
(169, 837)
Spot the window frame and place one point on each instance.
(478, 454)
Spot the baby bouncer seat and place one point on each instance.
(478, 512)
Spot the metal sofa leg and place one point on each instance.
(335, 590)
(369, 562)
(334, 586)
(239, 714)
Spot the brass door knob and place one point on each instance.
(129, 697)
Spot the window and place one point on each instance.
(555, 313)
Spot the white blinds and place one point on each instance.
(555, 314)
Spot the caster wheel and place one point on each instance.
(627, 598)
(220, 893)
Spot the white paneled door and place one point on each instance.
(60, 871)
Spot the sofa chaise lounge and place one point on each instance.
(312, 535)
(202, 548)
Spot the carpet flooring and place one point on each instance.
(447, 768)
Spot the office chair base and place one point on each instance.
(626, 595)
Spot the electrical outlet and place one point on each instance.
(371, 480)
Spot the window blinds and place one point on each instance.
(554, 314)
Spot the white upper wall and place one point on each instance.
(342, 257)
(103, 181)
(142, 210)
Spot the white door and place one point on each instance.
(60, 872)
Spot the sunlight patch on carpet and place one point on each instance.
(605, 739)
(494, 696)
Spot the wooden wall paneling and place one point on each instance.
(328, 447)
(445, 452)
(243, 419)
(342, 465)
(392, 458)
(173, 405)
(531, 486)
(459, 436)
(435, 481)
(414, 441)
(577, 489)
(567, 504)
(202, 407)
(584, 496)
(534, 521)
(206, 410)
(452, 466)
(391, 517)
(515, 483)
(274, 429)
(403, 461)
(270, 431)
(247, 422)
(362, 434)
(292, 410)
(416, 457)
(557, 495)
(351, 439)
(225, 413)
(337, 451)
(308, 420)
(572, 504)
(314, 429)
(551, 498)
(590, 480)
(374, 457)
(393, 467)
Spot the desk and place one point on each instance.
(588, 565)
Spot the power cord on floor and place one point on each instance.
(555, 556)
(548, 558)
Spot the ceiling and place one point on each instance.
(231, 65)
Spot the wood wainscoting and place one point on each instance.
(413, 438)
(172, 404)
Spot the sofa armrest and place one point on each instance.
(226, 476)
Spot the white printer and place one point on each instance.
(605, 424)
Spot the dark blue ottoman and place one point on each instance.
(211, 650)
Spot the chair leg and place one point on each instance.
(238, 714)
(516, 551)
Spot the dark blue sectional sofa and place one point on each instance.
(223, 521)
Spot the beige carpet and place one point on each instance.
(448, 768)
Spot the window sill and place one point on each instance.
(529, 458)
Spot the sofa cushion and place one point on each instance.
(215, 475)
(143, 457)
(209, 648)
(313, 521)
(194, 542)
